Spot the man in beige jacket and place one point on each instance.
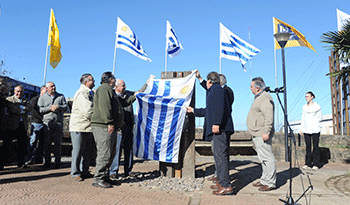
(80, 128)
(260, 124)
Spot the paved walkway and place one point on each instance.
(331, 185)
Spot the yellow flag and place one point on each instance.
(54, 42)
(295, 40)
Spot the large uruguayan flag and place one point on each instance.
(160, 118)
(173, 45)
(126, 39)
(234, 48)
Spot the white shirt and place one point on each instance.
(311, 118)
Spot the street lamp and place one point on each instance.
(282, 39)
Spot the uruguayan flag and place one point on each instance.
(234, 48)
(173, 45)
(160, 118)
(127, 40)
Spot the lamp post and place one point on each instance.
(282, 39)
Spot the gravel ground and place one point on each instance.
(152, 180)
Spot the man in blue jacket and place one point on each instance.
(219, 127)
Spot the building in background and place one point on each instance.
(30, 90)
(326, 124)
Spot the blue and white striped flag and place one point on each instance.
(126, 39)
(173, 45)
(160, 118)
(234, 48)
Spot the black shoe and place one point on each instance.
(87, 176)
(113, 182)
(46, 166)
(102, 185)
(57, 165)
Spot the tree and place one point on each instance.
(339, 41)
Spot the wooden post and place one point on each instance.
(333, 96)
(185, 168)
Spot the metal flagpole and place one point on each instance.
(277, 117)
(115, 48)
(250, 69)
(220, 64)
(47, 50)
(166, 59)
(166, 53)
(274, 48)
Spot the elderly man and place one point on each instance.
(18, 124)
(106, 119)
(125, 140)
(52, 105)
(80, 128)
(260, 124)
(230, 98)
(219, 126)
(36, 143)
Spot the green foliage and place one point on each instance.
(339, 41)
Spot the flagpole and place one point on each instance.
(274, 48)
(166, 60)
(166, 53)
(115, 48)
(250, 63)
(220, 65)
(47, 50)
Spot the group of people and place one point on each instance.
(105, 116)
(47, 118)
(218, 127)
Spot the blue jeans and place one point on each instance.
(116, 161)
(82, 147)
(36, 144)
(125, 142)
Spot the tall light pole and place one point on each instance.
(282, 39)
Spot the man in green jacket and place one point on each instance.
(106, 119)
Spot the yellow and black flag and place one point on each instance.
(54, 42)
(295, 40)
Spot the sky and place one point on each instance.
(87, 36)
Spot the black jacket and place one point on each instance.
(217, 111)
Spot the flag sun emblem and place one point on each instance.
(185, 90)
(124, 28)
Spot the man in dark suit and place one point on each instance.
(228, 91)
(219, 127)
(230, 98)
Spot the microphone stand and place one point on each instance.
(291, 137)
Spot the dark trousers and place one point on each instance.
(127, 145)
(222, 158)
(312, 158)
(53, 132)
(22, 140)
(35, 147)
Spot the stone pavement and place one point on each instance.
(331, 185)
